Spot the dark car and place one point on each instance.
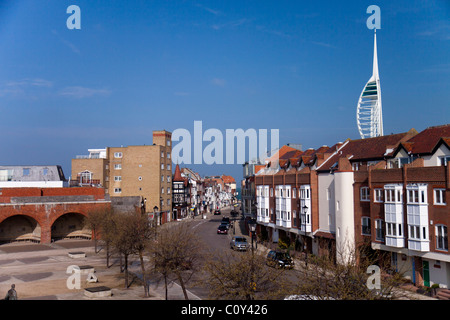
(234, 213)
(222, 229)
(279, 259)
(226, 219)
(226, 224)
(217, 212)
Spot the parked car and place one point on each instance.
(279, 259)
(239, 243)
(222, 229)
(226, 219)
(234, 213)
(226, 224)
(216, 212)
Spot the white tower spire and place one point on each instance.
(369, 113)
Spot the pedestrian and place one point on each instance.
(12, 294)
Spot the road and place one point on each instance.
(206, 229)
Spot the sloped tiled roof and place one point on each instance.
(425, 141)
(367, 149)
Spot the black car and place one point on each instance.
(234, 213)
(222, 229)
(216, 212)
(279, 259)
(226, 219)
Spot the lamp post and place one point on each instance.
(252, 226)
(305, 210)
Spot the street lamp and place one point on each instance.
(304, 211)
(155, 214)
(252, 226)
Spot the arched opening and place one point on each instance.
(70, 226)
(20, 228)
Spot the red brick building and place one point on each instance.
(389, 193)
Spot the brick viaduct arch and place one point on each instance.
(46, 214)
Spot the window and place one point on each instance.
(294, 191)
(444, 160)
(45, 171)
(168, 167)
(355, 166)
(393, 195)
(140, 178)
(365, 196)
(117, 190)
(391, 229)
(379, 230)
(168, 178)
(168, 190)
(162, 178)
(365, 226)
(85, 177)
(439, 196)
(168, 155)
(441, 237)
(378, 193)
(394, 229)
(118, 154)
(162, 154)
(416, 194)
(26, 171)
(118, 166)
(271, 192)
(168, 143)
(398, 162)
(162, 166)
(117, 178)
(413, 196)
(162, 190)
(168, 202)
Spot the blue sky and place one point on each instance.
(139, 66)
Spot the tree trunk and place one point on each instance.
(144, 278)
(125, 268)
(107, 254)
(182, 286)
(165, 285)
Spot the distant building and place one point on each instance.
(32, 176)
(144, 171)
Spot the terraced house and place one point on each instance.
(388, 193)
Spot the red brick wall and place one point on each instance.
(45, 214)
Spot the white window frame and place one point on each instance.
(439, 200)
(117, 190)
(365, 226)
(379, 235)
(117, 178)
(378, 195)
(364, 194)
(441, 234)
(118, 154)
(118, 166)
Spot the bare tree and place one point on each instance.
(245, 276)
(94, 221)
(179, 251)
(349, 279)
